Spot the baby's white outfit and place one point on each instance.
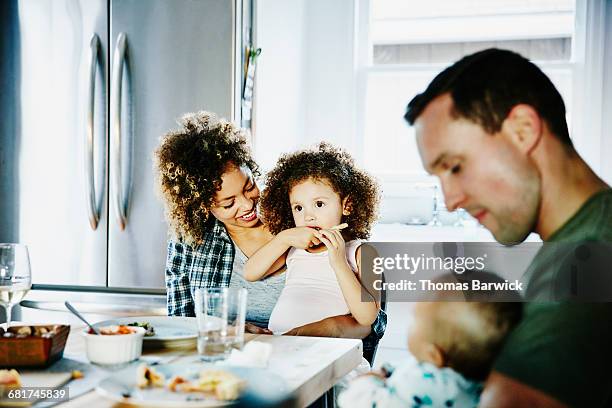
(311, 291)
(413, 385)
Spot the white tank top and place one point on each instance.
(311, 291)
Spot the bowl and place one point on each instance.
(32, 346)
(109, 349)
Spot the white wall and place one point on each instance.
(279, 93)
(330, 76)
(305, 75)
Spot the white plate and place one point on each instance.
(170, 331)
(262, 385)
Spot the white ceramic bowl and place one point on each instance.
(114, 349)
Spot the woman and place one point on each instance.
(206, 177)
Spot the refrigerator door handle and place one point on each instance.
(93, 211)
(121, 197)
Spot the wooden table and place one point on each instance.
(309, 365)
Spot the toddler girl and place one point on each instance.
(319, 205)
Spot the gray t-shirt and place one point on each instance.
(263, 293)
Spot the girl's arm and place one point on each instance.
(364, 312)
(267, 260)
(271, 257)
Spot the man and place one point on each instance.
(492, 128)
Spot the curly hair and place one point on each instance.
(189, 163)
(333, 165)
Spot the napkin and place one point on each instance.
(253, 354)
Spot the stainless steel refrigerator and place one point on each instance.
(88, 88)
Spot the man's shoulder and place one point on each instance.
(593, 222)
(562, 349)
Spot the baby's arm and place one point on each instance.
(371, 391)
(271, 257)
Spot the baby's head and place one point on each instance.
(465, 336)
(320, 187)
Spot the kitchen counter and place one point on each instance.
(429, 233)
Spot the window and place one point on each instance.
(405, 43)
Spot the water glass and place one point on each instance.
(220, 313)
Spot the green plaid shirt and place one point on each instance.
(209, 265)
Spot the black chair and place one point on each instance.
(370, 354)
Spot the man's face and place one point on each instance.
(486, 174)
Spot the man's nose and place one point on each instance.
(454, 196)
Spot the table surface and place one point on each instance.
(309, 365)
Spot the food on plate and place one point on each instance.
(147, 376)
(114, 330)
(178, 383)
(229, 390)
(220, 384)
(225, 385)
(150, 330)
(76, 374)
(9, 380)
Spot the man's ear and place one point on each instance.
(347, 205)
(524, 127)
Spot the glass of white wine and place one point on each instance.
(15, 276)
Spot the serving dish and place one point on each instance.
(32, 345)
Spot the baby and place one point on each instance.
(321, 200)
(454, 345)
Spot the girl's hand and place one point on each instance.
(336, 247)
(251, 328)
(300, 237)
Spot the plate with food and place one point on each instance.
(161, 331)
(193, 385)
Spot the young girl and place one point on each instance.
(319, 198)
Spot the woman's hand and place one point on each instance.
(336, 246)
(336, 326)
(300, 237)
(254, 329)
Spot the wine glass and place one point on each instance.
(437, 203)
(15, 277)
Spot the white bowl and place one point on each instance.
(114, 349)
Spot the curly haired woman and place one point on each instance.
(207, 180)
(317, 189)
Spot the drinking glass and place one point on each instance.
(220, 313)
(15, 277)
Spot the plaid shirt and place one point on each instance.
(209, 265)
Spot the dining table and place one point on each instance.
(309, 366)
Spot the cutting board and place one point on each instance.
(37, 379)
